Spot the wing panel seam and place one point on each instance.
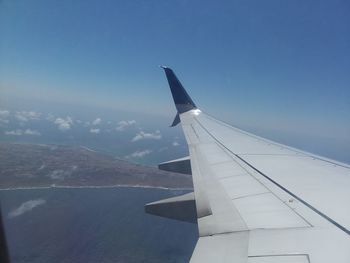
(333, 222)
(297, 151)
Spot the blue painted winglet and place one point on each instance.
(182, 100)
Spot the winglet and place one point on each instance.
(176, 120)
(182, 100)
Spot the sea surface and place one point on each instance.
(93, 225)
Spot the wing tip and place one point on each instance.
(182, 100)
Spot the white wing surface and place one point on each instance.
(258, 201)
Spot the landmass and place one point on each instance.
(41, 165)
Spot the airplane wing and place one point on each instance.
(256, 200)
(4, 254)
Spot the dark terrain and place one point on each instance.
(38, 165)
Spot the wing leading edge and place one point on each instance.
(259, 201)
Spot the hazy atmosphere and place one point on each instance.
(280, 70)
(85, 107)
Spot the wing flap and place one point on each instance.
(279, 259)
(181, 208)
(182, 165)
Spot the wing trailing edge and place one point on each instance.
(181, 165)
(182, 208)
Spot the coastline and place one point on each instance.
(92, 186)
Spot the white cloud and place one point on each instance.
(97, 121)
(4, 114)
(147, 136)
(26, 207)
(64, 124)
(14, 132)
(140, 154)
(31, 132)
(20, 132)
(24, 116)
(122, 125)
(175, 144)
(96, 131)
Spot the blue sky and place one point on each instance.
(276, 66)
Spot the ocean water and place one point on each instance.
(93, 225)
